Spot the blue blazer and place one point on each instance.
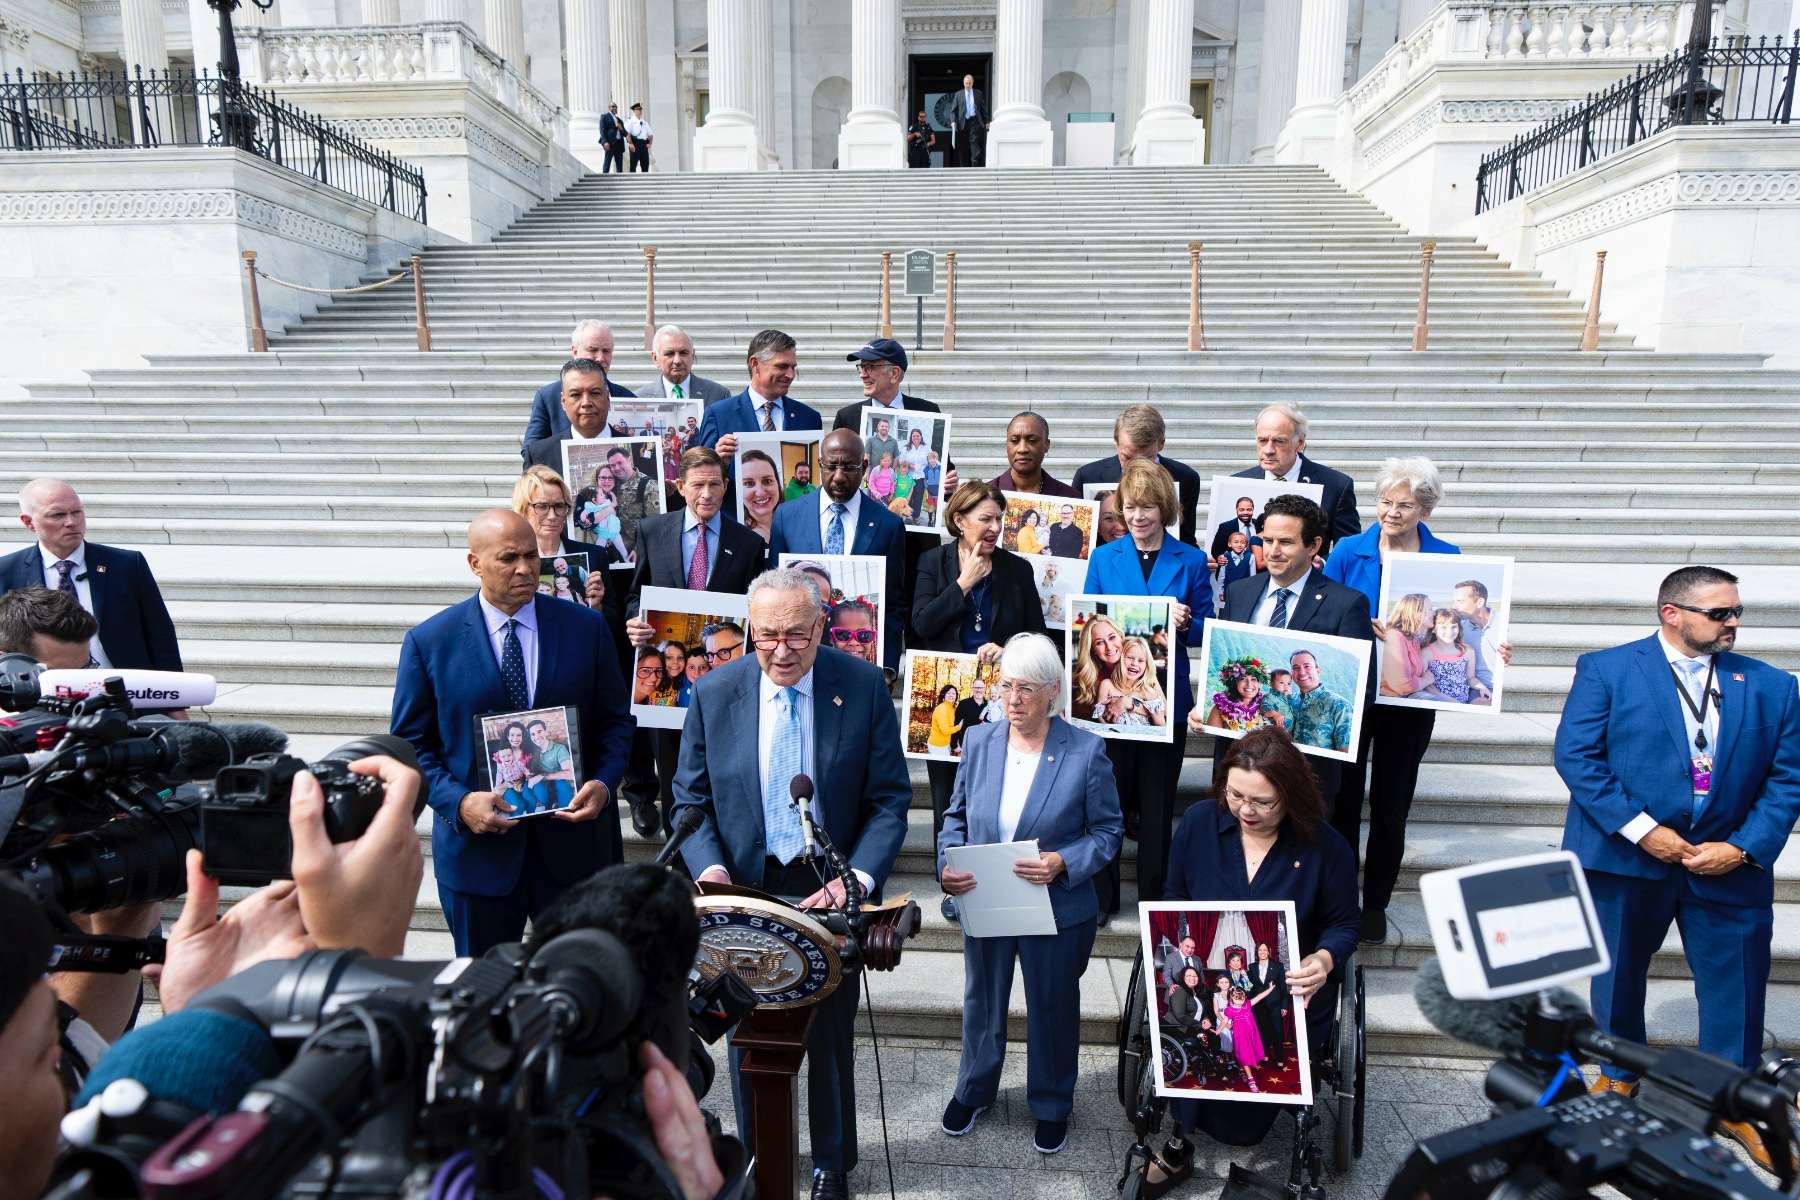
(135, 626)
(735, 415)
(448, 677)
(794, 529)
(1181, 573)
(1622, 749)
(861, 786)
(548, 418)
(1072, 808)
(1356, 560)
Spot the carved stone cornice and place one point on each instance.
(1677, 189)
(218, 204)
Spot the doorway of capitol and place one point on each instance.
(933, 80)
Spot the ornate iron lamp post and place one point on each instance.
(237, 124)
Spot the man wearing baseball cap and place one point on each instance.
(638, 136)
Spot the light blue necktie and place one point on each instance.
(781, 821)
(834, 536)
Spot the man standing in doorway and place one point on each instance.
(612, 139)
(968, 123)
(639, 136)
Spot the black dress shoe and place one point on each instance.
(1132, 822)
(948, 907)
(1050, 1137)
(1374, 925)
(830, 1185)
(645, 819)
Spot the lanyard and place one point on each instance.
(1706, 695)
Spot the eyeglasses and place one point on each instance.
(1238, 800)
(649, 672)
(1403, 507)
(1024, 691)
(544, 510)
(724, 655)
(861, 637)
(1713, 614)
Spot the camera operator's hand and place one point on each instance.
(361, 893)
(679, 1128)
(484, 812)
(205, 948)
(587, 803)
(106, 1001)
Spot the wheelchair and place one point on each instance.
(1339, 1067)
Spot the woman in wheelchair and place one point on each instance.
(1263, 837)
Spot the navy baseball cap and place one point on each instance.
(880, 350)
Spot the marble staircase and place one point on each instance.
(304, 508)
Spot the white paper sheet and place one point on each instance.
(1002, 904)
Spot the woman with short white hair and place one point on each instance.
(1033, 777)
(1394, 739)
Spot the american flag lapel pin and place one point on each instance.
(102, 570)
(1736, 678)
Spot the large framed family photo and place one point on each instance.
(1443, 618)
(1055, 535)
(907, 455)
(673, 424)
(1311, 684)
(771, 468)
(1215, 982)
(695, 632)
(616, 482)
(533, 758)
(946, 696)
(1230, 535)
(853, 588)
(565, 576)
(1117, 684)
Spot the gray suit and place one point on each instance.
(696, 388)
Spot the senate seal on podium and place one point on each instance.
(788, 959)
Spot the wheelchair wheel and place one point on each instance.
(1174, 1058)
(1350, 1072)
(1133, 1040)
(1362, 1062)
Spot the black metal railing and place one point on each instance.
(1728, 82)
(175, 108)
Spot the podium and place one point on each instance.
(774, 1043)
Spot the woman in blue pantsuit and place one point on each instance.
(1033, 776)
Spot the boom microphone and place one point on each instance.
(1497, 1025)
(205, 746)
(147, 689)
(685, 828)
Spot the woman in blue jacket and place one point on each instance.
(1148, 562)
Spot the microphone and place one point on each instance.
(1497, 1025)
(205, 746)
(684, 829)
(147, 689)
(801, 789)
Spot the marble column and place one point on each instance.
(1311, 132)
(506, 31)
(145, 43)
(204, 23)
(590, 75)
(1020, 136)
(444, 10)
(1275, 92)
(728, 141)
(873, 135)
(376, 12)
(1135, 49)
(1168, 133)
(762, 77)
(631, 58)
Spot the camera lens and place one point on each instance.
(375, 744)
(128, 860)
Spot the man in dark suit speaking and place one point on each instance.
(116, 586)
(509, 649)
(752, 726)
(1290, 594)
(1280, 438)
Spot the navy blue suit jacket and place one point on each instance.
(448, 677)
(1338, 500)
(735, 415)
(1181, 573)
(794, 529)
(547, 416)
(1072, 808)
(135, 626)
(1622, 749)
(862, 790)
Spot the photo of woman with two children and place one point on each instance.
(532, 759)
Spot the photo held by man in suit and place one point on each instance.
(585, 403)
(1290, 593)
(1280, 440)
(672, 350)
(507, 649)
(969, 120)
(1139, 432)
(1243, 521)
(837, 519)
(1682, 759)
(699, 548)
(753, 725)
(116, 586)
(591, 340)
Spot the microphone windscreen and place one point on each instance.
(648, 908)
(801, 787)
(196, 1057)
(205, 746)
(689, 822)
(1497, 1025)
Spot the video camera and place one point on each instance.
(128, 797)
(481, 1078)
(1505, 933)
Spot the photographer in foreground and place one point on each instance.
(33, 1100)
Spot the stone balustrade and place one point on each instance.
(425, 52)
(1481, 31)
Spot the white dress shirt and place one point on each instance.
(1015, 786)
(852, 508)
(528, 636)
(83, 592)
(1643, 823)
(1265, 610)
(690, 540)
(638, 128)
(1293, 472)
(686, 386)
(757, 402)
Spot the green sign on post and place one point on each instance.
(921, 273)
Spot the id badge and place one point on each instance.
(1700, 768)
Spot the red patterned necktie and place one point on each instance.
(697, 564)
